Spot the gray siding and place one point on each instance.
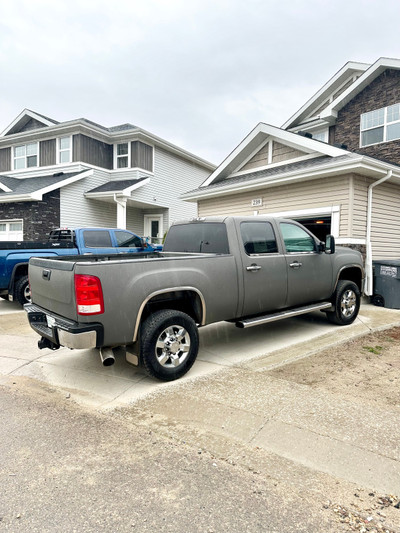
(172, 177)
(76, 210)
(141, 156)
(92, 151)
(5, 159)
(385, 238)
(47, 153)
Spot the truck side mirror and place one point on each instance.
(330, 244)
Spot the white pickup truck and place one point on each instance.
(248, 271)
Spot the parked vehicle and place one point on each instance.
(14, 256)
(248, 271)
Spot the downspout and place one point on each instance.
(368, 258)
(121, 212)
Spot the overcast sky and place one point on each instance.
(198, 73)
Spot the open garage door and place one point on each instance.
(319, 226)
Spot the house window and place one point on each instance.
(321, 135)
(122, 155)
(26, 156)
(381, 125)
(11, 230)
(64, 149)
(133, 155)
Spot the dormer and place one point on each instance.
(27, 121)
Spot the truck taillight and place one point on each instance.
(89, 295)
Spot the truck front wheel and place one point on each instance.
(169, 344)
(23, 291)
(346, 300)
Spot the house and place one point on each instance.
(334, 166)
(78, 173)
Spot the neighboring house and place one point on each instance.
(333, 166)
(78, 173)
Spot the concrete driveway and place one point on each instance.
(81, 375)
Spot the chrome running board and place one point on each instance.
(288, 313)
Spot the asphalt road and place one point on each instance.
(67, 469)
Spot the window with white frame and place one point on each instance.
(26, 156)
(64, 150)
(122, 155)
(321, 135)
(380, 125)
(11, 230)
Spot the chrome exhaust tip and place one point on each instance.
(107, 356)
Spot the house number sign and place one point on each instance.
(257, 202)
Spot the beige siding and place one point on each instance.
(385, 237)
(305, 195)
(359, 207)
(281, 152)
(259, 160)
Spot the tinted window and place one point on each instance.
(197, 237)
(296, 239)
(126, 239)
(258, 238)
(97, 239)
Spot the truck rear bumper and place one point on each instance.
(63, 332)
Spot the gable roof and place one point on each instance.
(26, 116)
(353, 77)
(259, 135)
(33, 189)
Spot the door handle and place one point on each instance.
(253, 268)
(296, 264)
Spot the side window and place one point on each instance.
(207, 237)
(296, 239)
(127, 240)
(258, 238)
(97, 239)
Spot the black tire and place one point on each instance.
(169, 344)
(346, 300)
(378, 300)
(23, 291)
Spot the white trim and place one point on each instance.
(4, 188)
(363, 81)
(274, 165)
(14, 157)
(330, 87)
(348, 240)
(31, 114)
(257, 136)
(58, 149)
(147, 227)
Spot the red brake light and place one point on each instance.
(89, 295)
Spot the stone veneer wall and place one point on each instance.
(39, 217)
(383, 91)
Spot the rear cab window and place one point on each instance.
(258, 238)
(197, 237)
(97, 239)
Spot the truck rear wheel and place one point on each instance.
(169, 344)
(23, 291)
(346, 300)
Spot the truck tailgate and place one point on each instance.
(52, 285)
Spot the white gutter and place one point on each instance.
(368, 259)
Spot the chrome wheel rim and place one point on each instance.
(27, 294)
(348, 303)
(172, 347)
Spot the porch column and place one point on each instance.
(121, 212)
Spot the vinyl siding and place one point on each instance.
(92, 151)
(76, 210)
(305, 195)
(281, 152)
(258, 160)
(47, 153)
(385, 237)
(360, 206)
(173, 176)
(5, 159)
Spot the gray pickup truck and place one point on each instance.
(248, 271)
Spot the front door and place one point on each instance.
(264, 269)
(309, 271)
(153, 228)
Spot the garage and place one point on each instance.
(11, 230)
